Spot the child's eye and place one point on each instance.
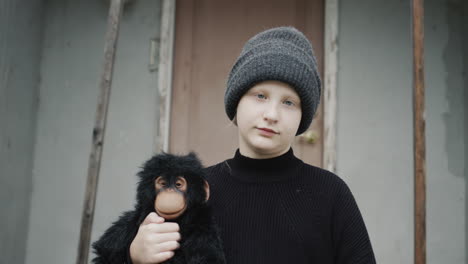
(261, 96)
(289, 103)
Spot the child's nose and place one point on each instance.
(271, 113)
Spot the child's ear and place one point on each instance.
(207, 190)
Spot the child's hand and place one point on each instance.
(155, 241)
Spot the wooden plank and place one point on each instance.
(419, 133)
(165, 73)
(115, 14)
(330, 84)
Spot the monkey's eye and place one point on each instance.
(160, 183)
(181, 184)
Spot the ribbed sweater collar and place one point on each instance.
(278, 168)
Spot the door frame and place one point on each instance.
(165, 67)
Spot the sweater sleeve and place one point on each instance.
(350, 238)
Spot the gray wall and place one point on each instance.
(72, 56)
(375, 141)
(20, 44)
(374, 137)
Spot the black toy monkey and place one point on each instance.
(175, 188)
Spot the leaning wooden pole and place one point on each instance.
(115, 13)
(419, 134)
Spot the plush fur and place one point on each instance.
(200, 239)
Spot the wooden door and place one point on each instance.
(209, 36)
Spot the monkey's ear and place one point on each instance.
(207, 190)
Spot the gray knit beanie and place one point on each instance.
(281, 54)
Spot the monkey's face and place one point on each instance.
(171, 196)
(171, 185)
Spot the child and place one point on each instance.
(270, 206)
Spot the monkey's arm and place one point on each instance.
(202, 243)
(113, 245)
(204, 247)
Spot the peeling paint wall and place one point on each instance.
(445, 132)
(72, 58)
(375, 124)
(20, 45)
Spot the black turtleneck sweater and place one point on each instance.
(281, 210)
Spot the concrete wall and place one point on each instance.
(71, 64)
(375, 143)
(20, 44)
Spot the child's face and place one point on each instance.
(268, 117)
